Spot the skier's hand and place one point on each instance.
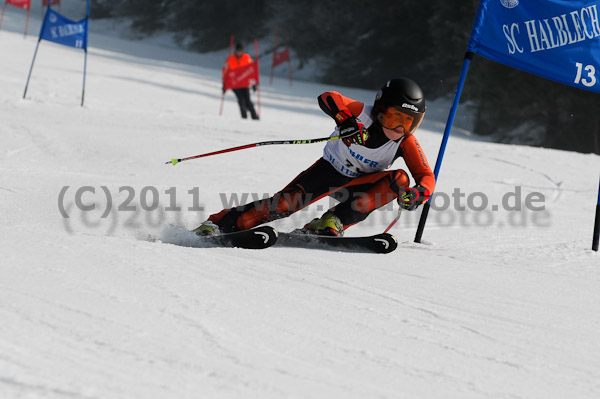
(351, 131)
(254, 88)
(223, 89)
(413, 197)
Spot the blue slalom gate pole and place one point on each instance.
(438, 163)
(84, 71)
(35, 52)
(87, 31)
(31, 68)
(597, 224)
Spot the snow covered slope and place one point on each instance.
(496, 304)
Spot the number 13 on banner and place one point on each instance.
(590, 79)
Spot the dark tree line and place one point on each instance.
(360, 44)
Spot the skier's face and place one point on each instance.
(394, 134)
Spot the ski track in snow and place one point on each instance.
(121, 306)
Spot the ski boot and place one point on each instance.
(207, 228)
(327, 225)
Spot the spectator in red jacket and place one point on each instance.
(237, 60)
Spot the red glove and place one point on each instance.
(351, 131)
(411, 198)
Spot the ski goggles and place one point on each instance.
(395, 117)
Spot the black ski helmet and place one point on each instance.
(405, 96)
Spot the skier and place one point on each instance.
(353, 168)
(237, 60)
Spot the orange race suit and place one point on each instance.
(356, 175)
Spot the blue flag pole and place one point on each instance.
(597, 224)
(31, 68)
(449, 123)
(87, 30)
(35, 53)
(84, 73)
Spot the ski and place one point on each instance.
(380, 243)
(256, 238)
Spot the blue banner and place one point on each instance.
(555, 39)
(59, 29)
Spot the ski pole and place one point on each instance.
(395, 220)
(175, 161)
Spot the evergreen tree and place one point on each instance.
(209, 25)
